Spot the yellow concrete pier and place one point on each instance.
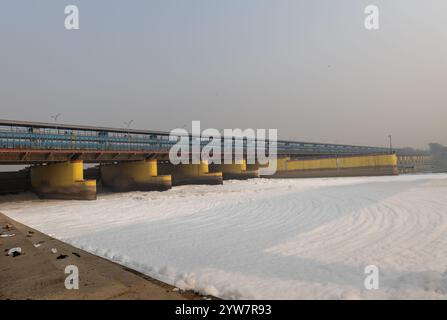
(190, 173)
(137, 175)
(63, 180)
(240, 171)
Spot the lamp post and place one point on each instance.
(391, 143)
(128, 123)
(55, 117)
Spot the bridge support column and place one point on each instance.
(63, 180)
(236, 171)
(191, 173)
(137, 175)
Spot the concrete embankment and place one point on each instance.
(37, 273)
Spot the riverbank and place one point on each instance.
(38, 273)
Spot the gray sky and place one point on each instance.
(308, 68)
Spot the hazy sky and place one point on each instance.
(308, 68)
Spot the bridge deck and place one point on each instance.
(33, 142)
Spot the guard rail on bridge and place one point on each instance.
(27, 138)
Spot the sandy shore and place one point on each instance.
(38, 274)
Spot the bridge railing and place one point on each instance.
(22, 137)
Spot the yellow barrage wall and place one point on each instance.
(62, 180)
(137, 175)
(281, 164)
(384, 160)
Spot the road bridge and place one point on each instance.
(133, 159)
(24, 142)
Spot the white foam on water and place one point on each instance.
(267, 239)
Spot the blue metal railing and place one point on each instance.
(44, 138)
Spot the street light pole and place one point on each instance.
(391, 143)
(128, 123)
(54, 117)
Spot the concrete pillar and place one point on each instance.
(64, 180)
(137, 175)
(236, 171)
(190, 173)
